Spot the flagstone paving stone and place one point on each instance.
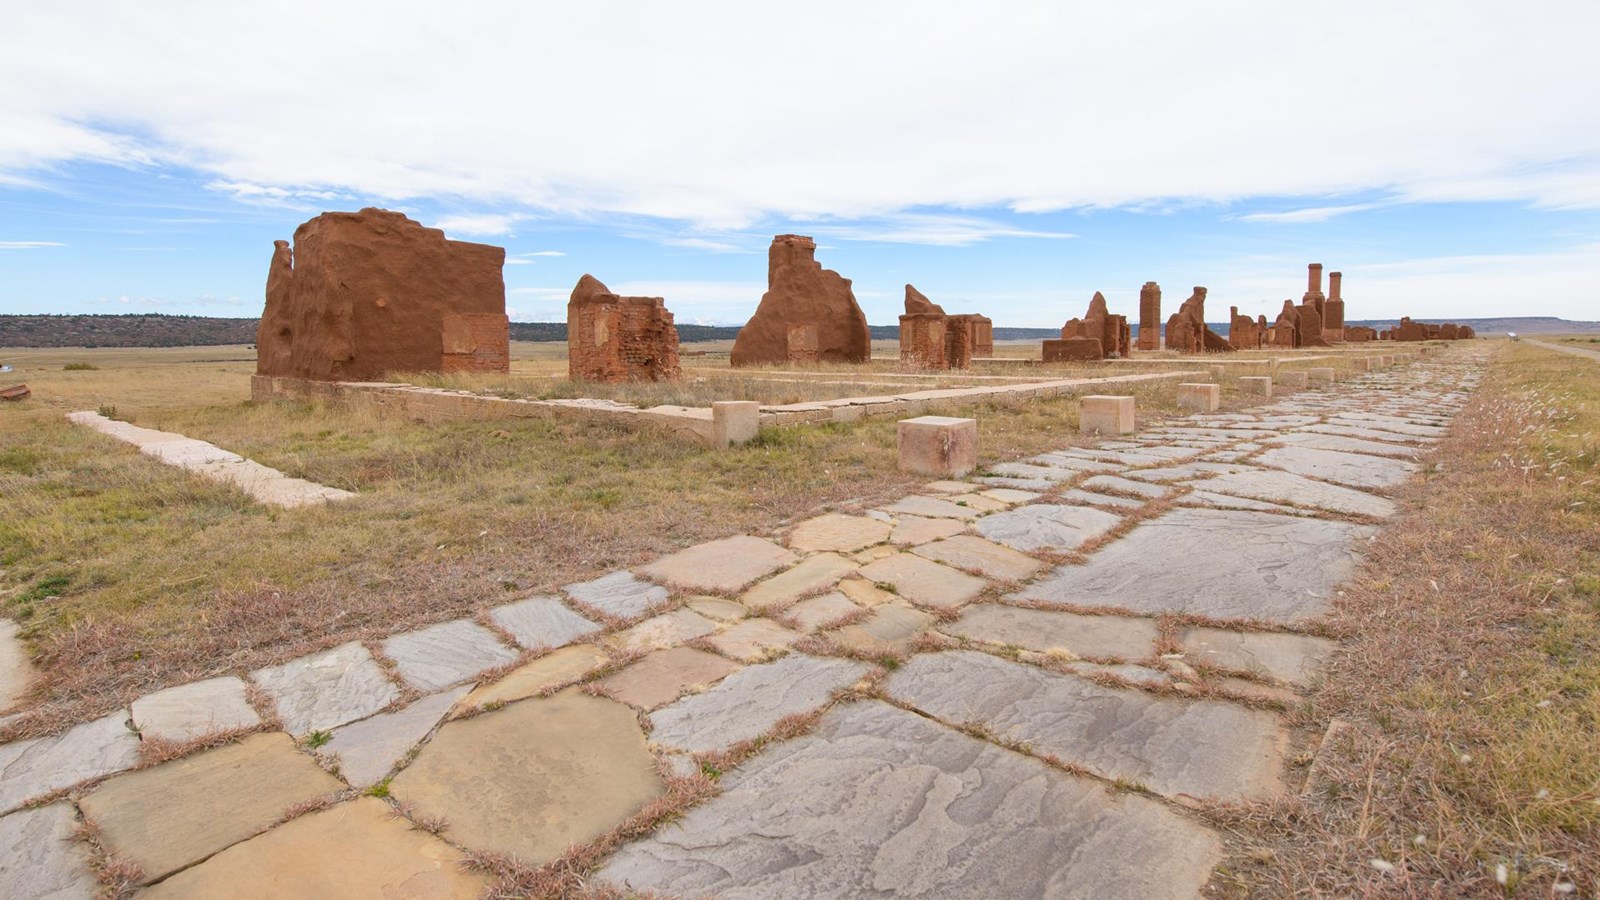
(754, 639)
(180, 812)
(840, 533)
(1372, 434)
(1079, 497)
(533, 778)
(950, 487)
(923, 581)
(665, 630)
(1113, 484)
(40, 766)
(721, 566)
(931, 507)
(913, 530)
(193, 710)
(1196, 469)
(367, 750)
(1024, 470)
(984, 557)
(718, 608)
(749, 702)
(1225, 501)
(890, 628)
(822, 610)
(1295, 658)
(1287, 487)
(436, 657)
(621, 594)
(1348, 469)
(1025, 484)
(1345, 444)
(1076, 464)
(556, 668)
(877, 801)
(1010, 496)
(660, 677)
(358, 850)
(16, 668)
(327, 689)
(40, 860)
(1046, 526)
(814, 573)
(542, 623)
(1177, 748)
(1048, 630)
(1396, 424)
(1237, 564)
(864, 593)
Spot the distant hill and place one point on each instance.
(155, 330)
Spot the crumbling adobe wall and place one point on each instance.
(1099, 324)
(807, 313)
(1187, 331)
(1150, 316)
(1244, 333)
(612, 338)
(930, 339)
(365, 293)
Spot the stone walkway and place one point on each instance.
(265, 484)
(1032, 683)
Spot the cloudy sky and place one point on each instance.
(1008, 158)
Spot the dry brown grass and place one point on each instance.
(1470, 764)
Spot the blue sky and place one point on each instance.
(1444, 156)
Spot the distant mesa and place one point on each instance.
(365, 293)
(808, 313)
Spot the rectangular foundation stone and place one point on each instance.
(1256, 384)
(1200, 397)
(938, 445)
(1106, 415)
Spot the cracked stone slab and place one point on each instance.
(1224, 501)
(16, 668)
(822, 610)
(1197, 469)
(750, 701)
(1074, 464)
(542, 623)
(1293, 658)
(327, 689)
(1048, 630)
(170, 816)
(193, 710)
(1349, 469)
(866, 594)
(924, 581)
(890, 628)
(1046, 526)
(718, 608)
(913, 530)
(721, 566)
(560, 667)
(660, 677)
(39, 766)
(932, 508)
(367, 750)
(840, 533)
(950, 487)
(1177, 748)
(665, 630)
(358, 849)
(40, 860)
(1079, 497)
(1113, 484)
(1345, 444)
(1025, 470)
(1024, 484)
(1395, 424)
(1010, 496)
(436, 657)
(879, 801)
(987, 558)
(1121, 458)
(1372, 434)
(619, 594)
(813, 574)
(753, 639)
(1287, 487)
(533, 778)
(1237, 565)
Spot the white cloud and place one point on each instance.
(1208, 103)
(706, 244)
(528, 259)
(28, 245)
(927, 228)
(478, 224)
(1310, 214)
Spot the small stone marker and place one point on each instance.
(1322, 375)
(734, 422)
(1105, 415)
(1294, 379)
(1256, 384)
(1200, 397)
(938, 445)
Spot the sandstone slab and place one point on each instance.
(367, 750)
(814, 573)
(718, 608)
(1114, 484)
(180, 812)
(890, 628)
(327, 689)
(1245, 565)
(1350, 469)
(932, 507)
(533, 778)
(436, 657)
(39, 860)
(1078, 497)
(1344, 444)
(753, 639)
(913, 530)
(824, 609)
(666, 630)
(1046, 526)
(721, 566)
(192, 710)
(39, 766)
(877, 801)
(619, 594)
(1034, 472)
(557, 668)
(1177, 748)
(750, 701)
(660, 677)
(1293, 658)
(923, 581)
(16, 669)
(839, 533)
(987, 558)
(1049, 631)
(1287, 487)
(540, 623)
(357, 850)
(864, 593)
(1370, 434)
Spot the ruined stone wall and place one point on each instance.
(1073, 349)
(1243, 331)
(1150, 316)
(613, 339)
(1286, 330)
(1187, 331)
(476, 342)
(922, 340)
(960, 341)
(807, 314)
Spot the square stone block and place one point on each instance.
(1200, 397)
(1322, 375)
(1256, 384)
(938, 445)
(1105, 415)
(1294, 379)
(734, 422)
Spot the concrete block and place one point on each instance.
(1200, 397)
(1323, 375)
(1105, 415)
(938, 445)
(734, 422)
(1294, 379)
(1256, 384)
